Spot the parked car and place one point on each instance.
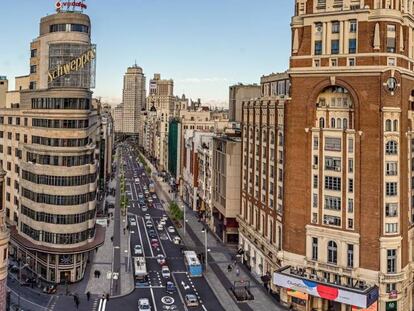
(165, 272)
(132, 222)
(138, 250)
(144, 304)
(161, 259)
(191, 300)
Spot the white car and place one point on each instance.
(165, 272)
(171, 229)
(147, 217)
(162, 222)
(164, 217)
(154, 196)
(149, 224)
(138, 249)
(160, 259)
(160, 227)
(177, 240)
(144, 304)
(132, 222)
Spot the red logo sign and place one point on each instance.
(79, 4)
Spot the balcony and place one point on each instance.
(392, 278)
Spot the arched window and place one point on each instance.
(395, 125)
(264, 136)
(332, 252)
(333, 123)
(339, 123)
(321, 123)
(345, 123)
(280, 139)
(391, 147)
(257, 134)
(388, 125)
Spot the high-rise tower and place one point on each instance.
(348, 195)
(50, 149)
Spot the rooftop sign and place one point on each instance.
(66, 5)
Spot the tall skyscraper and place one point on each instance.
(348, 219)
(50, 142)
(133, 98)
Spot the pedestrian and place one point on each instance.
(107, 296)
(112, 238)
(88, 295)
(124, 231)
(229, 268)
(237, 272)
(77, 301)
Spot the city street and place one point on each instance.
(141, 233)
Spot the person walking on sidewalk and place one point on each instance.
(237, 272)
(88, 296)
(229, 268)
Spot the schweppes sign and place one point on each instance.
(74, 65)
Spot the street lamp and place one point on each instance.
(205, 244)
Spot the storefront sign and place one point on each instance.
(373, 307)
(317, 289)
(297, 294)
(60, 4)
(72, 66)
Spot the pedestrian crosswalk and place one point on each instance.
(102, 304)
(95, 304)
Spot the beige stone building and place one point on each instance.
(237, 94)
(4, 241)
(50, 140)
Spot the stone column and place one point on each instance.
(4, 241)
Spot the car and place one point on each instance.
(140, 196)
(149, 224)
(138, 249)
(177, 240)
(164, 217)
(160, 227)
(144, 304)
(162, 222)
(144, 208)
(170, 287)
(147, 217)
(132, 222)
(171, 229)
(160, 259)
(191, 300)
(150, 200)
(154, 196)
(151, 233)
(155, 244)
(165, 272)
(136, 179)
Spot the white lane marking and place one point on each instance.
(140, 237)
(100, 305)
(179, 292)
(204, 308)
(146, 232)
(103, 305)
(153, 299)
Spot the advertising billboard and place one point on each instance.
(338, 294)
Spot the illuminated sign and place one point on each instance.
(75, 4)
(317, 289)
(74, 65)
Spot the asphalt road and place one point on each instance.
(136, 179)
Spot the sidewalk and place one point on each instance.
(220, 257)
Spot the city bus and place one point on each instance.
(193, 264)
(140, 272)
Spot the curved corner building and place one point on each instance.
(50, 139)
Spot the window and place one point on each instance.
(332, 203)
(333, 164)
(391, 168)
(391, 61)
(315, 200)
(395, 125)
(33, 69)
(351, 61)
(350, 223)
(318, 47)
(33, 53)
(334, 62)
(314, 248)
(335, 27)
(391, 38)
(315, 143)
(321, 123)
(334, 46)
(350, 165)
(332, 252)
(350, 185)
(391, 260)
(391, 147)
(350, 145)
(317, 62)
(391, 188)
(353, 26)
(391, 227)
(332, 220)
(352, 46)
(391, 287)
(350, 256)
(350, 205)
(391, 209)
(333, 144)
(388, 125)
(332, 183)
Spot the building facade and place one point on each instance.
(50, 144)
(237, 94)
(4, 242)
(348, 200)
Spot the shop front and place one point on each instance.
(305, 291)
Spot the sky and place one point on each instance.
(204, 46)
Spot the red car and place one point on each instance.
(155, 243)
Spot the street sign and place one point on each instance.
(115, 275)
